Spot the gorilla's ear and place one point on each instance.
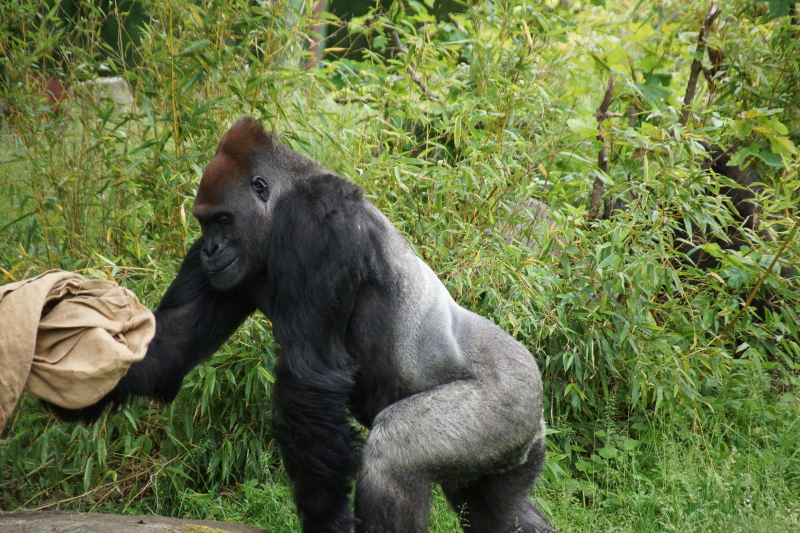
(260, 187)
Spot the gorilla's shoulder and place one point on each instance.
(326, 186)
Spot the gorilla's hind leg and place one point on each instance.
(498, 503)
(391, 500)
(430, 437)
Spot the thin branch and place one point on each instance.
(413, 73)
(601, 115)
(633, 116)
(460, 27)
(358, 100)
(697, 63)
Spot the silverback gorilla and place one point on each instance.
(368, 331)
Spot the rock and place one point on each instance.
(115, 89)
(72, 522)
(533, 223)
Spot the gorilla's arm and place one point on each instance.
(317, 260)
(312, 428)
(192, 322)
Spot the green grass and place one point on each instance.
(724, 479)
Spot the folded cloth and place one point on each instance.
(68, 339)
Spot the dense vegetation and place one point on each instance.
(671, 405)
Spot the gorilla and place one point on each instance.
(746, 214)
(744, 198)
(368, 332)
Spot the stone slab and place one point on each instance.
(72, 522)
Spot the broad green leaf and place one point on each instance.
(585, 126)
(642, 32)
(783, 146)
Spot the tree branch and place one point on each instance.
(697, 63)
(356, 100)
(413, 73)
(601, 115)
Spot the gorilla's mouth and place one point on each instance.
(222, 268)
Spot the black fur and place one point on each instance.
(747, 211)
(310, 308)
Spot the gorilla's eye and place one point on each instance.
(261, 187)
(223, 219)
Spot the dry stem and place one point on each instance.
(602, 157)
(413, 73)
(697, 63)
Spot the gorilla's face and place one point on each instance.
(232, 207)
(234, 203)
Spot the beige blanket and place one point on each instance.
(67, 339)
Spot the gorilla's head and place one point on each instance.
(237, 198)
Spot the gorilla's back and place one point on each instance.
(428, 339)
